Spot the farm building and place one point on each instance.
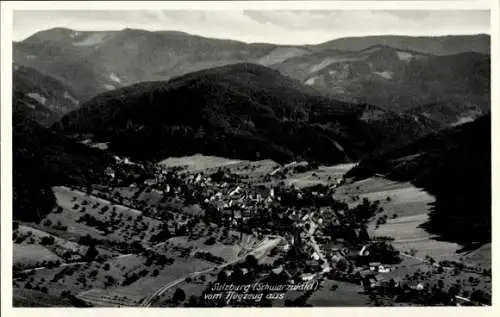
(307, 276)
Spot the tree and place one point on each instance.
(109, 281)
(210, 241)
(441, 284)
(222, 276)
(179, 295)
(342, 265)
(91, 253)
(481, 296)
(193, 301)
(47, 240)
(251, 261)
(363, 234)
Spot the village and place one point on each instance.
(332, 237)
(302, 235)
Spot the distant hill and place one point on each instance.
(435, 45)
(240, 111)
(93, 62)
(448, 114)
(455, 166)
(42, 97)
(397, 79)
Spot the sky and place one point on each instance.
(280, 27)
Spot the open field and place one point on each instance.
(123, 223)
(31, 254)
(34, 246)
(108, 298)
(47, 278)
(34, 298)
(410, 207)
(88, 280)
(250, 170)
(179, 269)
(480, 256)
(197, 162)
(323, 175)
(346, 295)
(39, 234)
(429, 275)
(194, 287)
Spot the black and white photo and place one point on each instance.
(196, 158)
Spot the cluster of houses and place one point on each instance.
(240, 201)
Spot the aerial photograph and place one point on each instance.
(251, 158)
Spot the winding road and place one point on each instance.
(265, 245)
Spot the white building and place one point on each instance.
(235, 191)
(307, 276)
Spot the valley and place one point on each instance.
(140, 261)
(199, 172)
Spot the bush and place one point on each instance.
(130, 279)
(93, 273)
(210, 241)
(179, 295)
(91, 253)
(381, 221)
(109, 281)
(47, 240)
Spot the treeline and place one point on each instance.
(453, 165)
(42, 159)
(238, 111)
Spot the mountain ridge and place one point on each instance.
(87, 60)
(435, 45)
(234, 111)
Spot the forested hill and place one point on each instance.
(455, 166)
(243, 111)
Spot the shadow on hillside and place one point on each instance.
(451, 231)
